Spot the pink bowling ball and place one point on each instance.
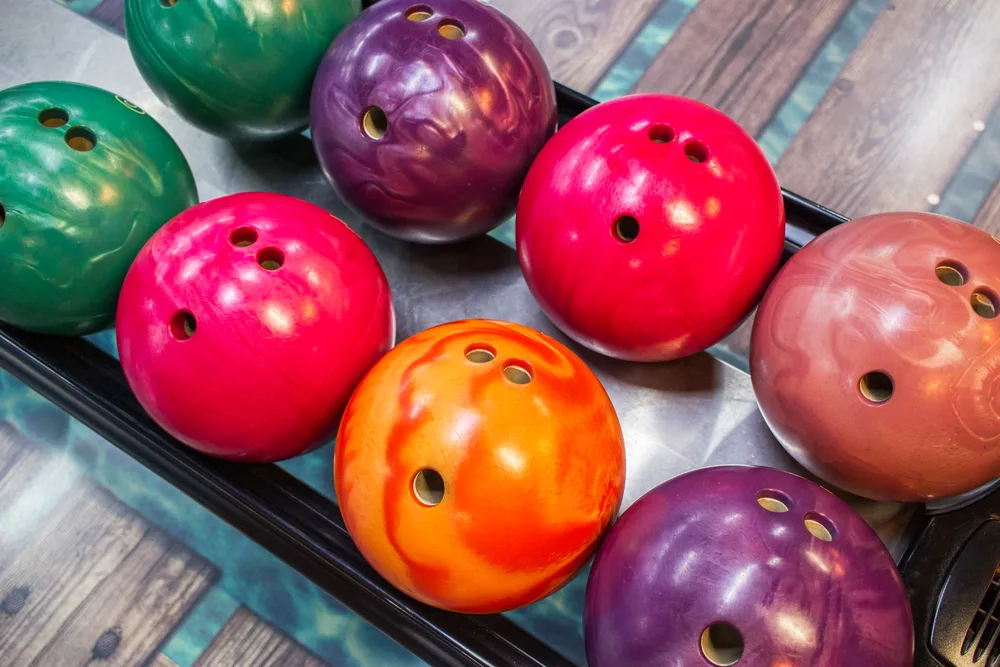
(245, 323)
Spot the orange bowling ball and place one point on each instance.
(478, 464)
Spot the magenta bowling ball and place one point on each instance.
(745, 566)
(246, 322)
(426, 116)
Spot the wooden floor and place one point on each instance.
(579, 38)
(246, 640)
(988, 216)
(903, 112)
(86, 580)
(743, 57)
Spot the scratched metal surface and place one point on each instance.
(676, 416)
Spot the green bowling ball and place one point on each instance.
(86, 177)
(240, 69)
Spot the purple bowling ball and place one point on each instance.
(427, 115)
(744, 566)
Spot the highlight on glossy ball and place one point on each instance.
(649, 227)
(768, 568)
(247, 321)
(478, 464)
(87, 178)
(899, 332)
(240, 71)
(431, 163)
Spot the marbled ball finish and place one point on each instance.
(532, 473)
(866, 298)
(700, 550)
(468, 103)
(240, 69)
(246, 322)
(86, 177)
(707, 232)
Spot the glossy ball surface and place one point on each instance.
(473, 486)
(698, 573)
(649, 227)
(246, 322)
(874, 357)
(426, 117)
(241, 69)
(87, 178)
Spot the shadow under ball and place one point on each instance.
(875, 357)
(86, 178)
(239, 69)
(426, 117)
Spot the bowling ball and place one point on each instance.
(240, 69)
(86, 179)
(745, 566)
(425, 117)
(649, 226)
(874, 357)
(246, 322)
(478, 464)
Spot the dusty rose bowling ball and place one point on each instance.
(875, 357)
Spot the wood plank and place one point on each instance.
(23, 466)
(247, 640)
(160, 660)
(902, 114)
(140, 603)
(988, 216)
(95, 565)
(19, 476)
(80, 544)
(9, 445)
(15, 474)
(579, 39)
(743, 57)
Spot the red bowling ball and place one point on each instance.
(246, 322)
(649, 227)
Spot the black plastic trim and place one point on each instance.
(934, 559)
